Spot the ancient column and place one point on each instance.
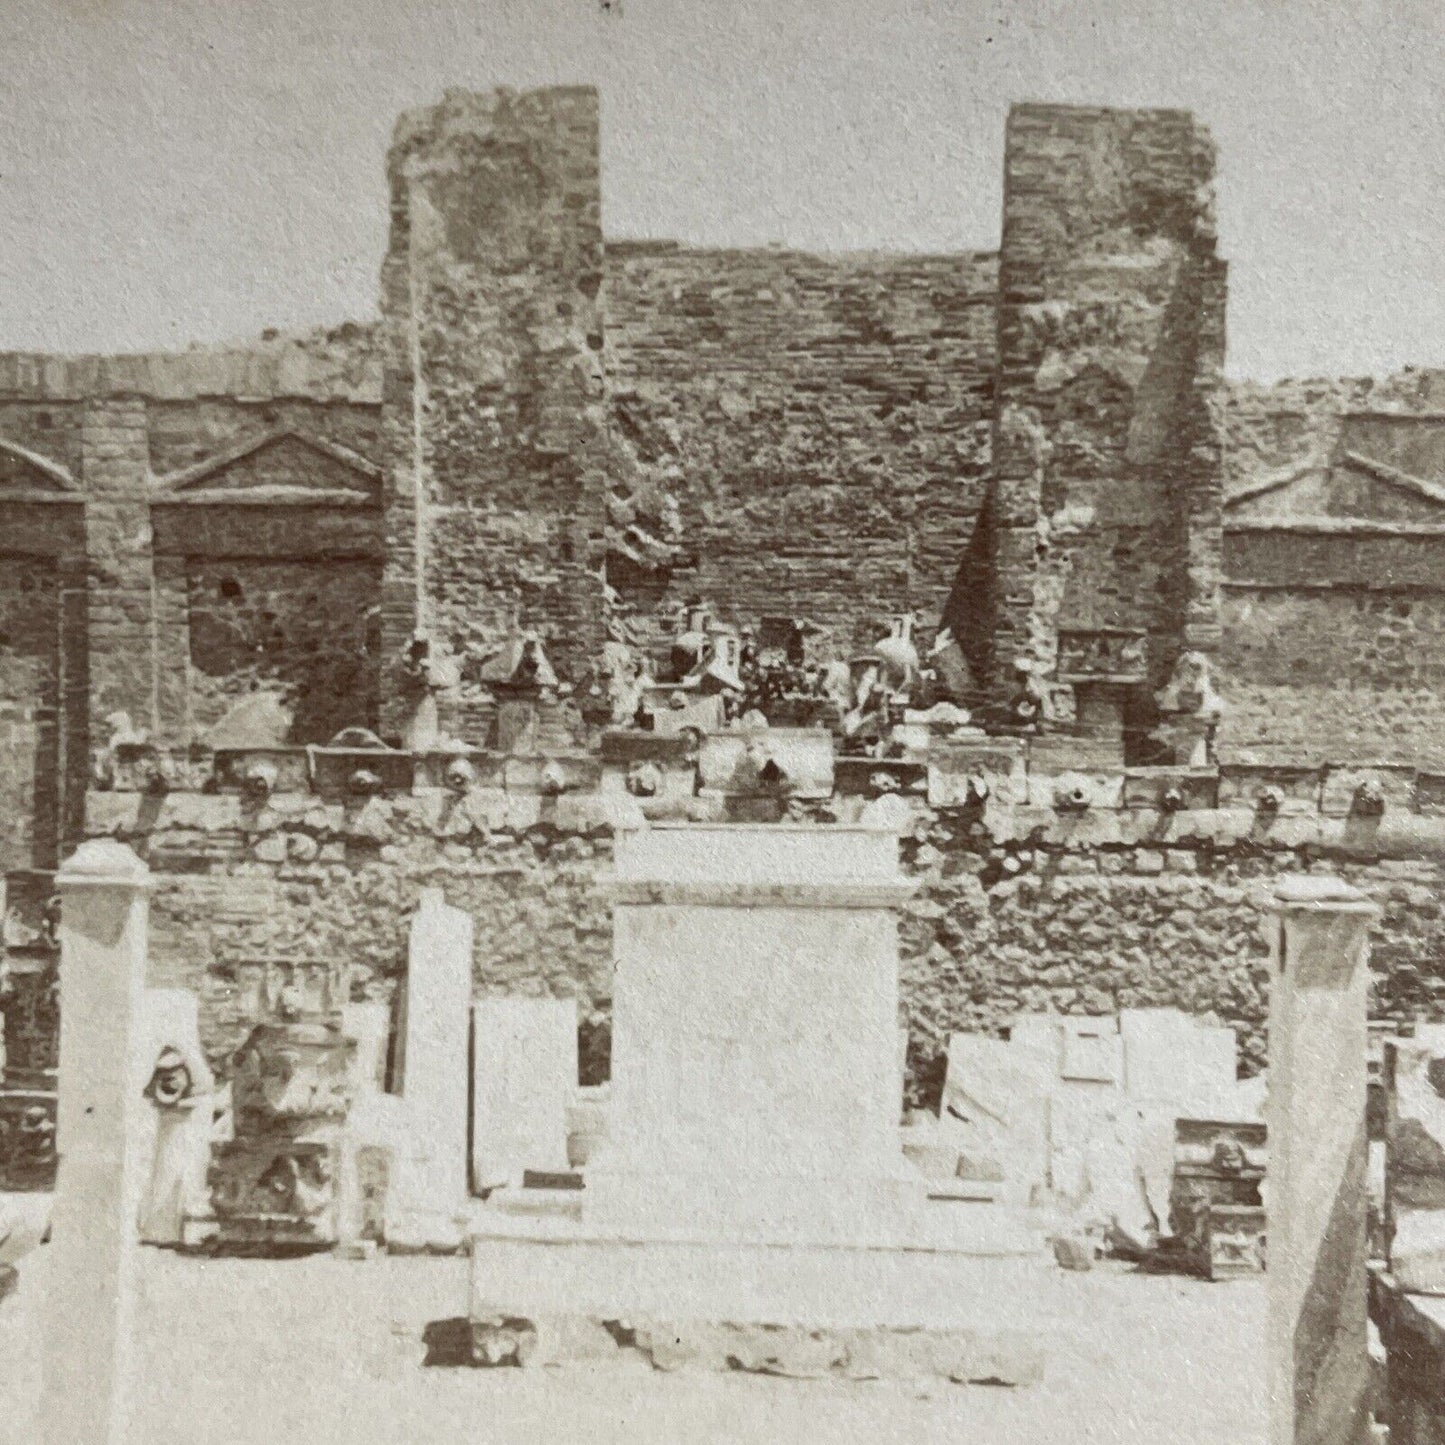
(1318, 1360)
(90, 1302)
(432, 1196)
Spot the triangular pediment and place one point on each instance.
(1384, 469)
(278, 466)
(24, 473)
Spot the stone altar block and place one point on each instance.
(755, 1038)
(754, 1172)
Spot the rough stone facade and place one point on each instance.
(554, 432)
(797, 435)
(1021, 909)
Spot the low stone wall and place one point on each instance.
(1024, 906)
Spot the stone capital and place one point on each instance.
(1319, 893)
(104, 863)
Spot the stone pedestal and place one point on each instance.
(754, 1173)
(1316, 1189)
(754, 1038)
(90, 1303)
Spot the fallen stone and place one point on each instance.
(502, 1341)
(673, 1346)
(793, 1354)
(570, 1339)
(1074, 1252)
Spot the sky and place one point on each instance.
(178, 171)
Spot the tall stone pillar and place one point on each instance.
(493, 394)
(1317, 1344)
(115, 466)
(90, 1304)
(432, 1185)
(1105, 508)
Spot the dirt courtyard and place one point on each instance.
(261, 1352)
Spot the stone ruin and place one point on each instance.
(979, 553)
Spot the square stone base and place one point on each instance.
(525, 1266)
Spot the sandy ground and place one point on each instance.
(321, 1350)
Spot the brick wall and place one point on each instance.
(300, 629)
(29, 708)
(1335, 598)
(495, 417)
(821, 425)
(1110, 338)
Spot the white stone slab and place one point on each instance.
(1091, 1053)
(429, 1190)
(754, 1041)
(527, 1266)
(1170, 1057)
(524, 1080)
(994, 1103)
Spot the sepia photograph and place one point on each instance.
(722, 722)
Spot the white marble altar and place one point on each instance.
(753, 1170)
(755, 1037)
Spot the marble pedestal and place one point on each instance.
(753, 1173)
(755, 1039)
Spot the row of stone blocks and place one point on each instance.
(798, 763)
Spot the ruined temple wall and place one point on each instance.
(1334, 603)
(100, 580)
(821, 425)
(1111, 336)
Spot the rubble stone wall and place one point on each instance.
(799, 435)
(1031, 919)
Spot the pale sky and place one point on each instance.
(194, 170)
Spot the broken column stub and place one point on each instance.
(754, 1042)
(90, 1301)
(1317, 1340)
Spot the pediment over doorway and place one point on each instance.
(277, 466)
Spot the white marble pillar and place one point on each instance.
(90, 1303)
(431, 1201)
(1316, 1189)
